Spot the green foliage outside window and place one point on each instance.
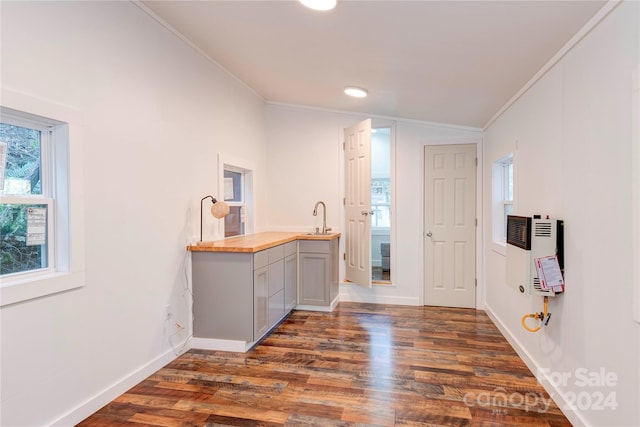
(16, 255)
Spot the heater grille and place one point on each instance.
(518, 231)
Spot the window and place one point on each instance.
(381, 202)
(237, 194)
(28, 200)
(503, 196)
(41, 198)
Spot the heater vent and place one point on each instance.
(538, 289)
(542, 229)
(536, 284)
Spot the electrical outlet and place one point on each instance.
(167, 312)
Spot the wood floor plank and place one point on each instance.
(239, 411)
(360, 365)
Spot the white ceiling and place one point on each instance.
(454, 62)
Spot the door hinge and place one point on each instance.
(476, 283)
(344, 256)
(476, 161)
(344, 201)
(344, 146)
(476, 222)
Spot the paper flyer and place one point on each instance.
(549, 273)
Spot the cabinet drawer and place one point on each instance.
(260, 259)
(275, 253)
(312, 246)
(290, 248)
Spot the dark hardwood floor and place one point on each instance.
(363, 364)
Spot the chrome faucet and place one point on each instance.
(324, 216)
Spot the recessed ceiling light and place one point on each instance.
(356, 92)
(319, 4)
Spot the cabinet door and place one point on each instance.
(276, 292)
(290, 282)
(260, 302)
(315, 276)
(276, 277)
(222, 295)
(276, 308)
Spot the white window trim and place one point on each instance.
(70, 266)
(48, 187)
(498, 190)
(248, 169)
(636, 190)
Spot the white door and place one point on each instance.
(358, 203)
(450, 225)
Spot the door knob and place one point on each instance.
(429, 233)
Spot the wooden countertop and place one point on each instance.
(257, 242)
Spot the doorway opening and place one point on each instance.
(381, 205)
(369, 200)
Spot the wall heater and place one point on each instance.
(527, 239)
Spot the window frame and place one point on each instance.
(236, 203)
(67, 177)
(246, 168)
(47, 184)
(503, 170)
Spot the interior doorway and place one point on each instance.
(381, 204)
(369, 201)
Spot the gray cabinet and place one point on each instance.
(224, 291)
(318, 262)
(240, 296)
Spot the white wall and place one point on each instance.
(155, 115)
(305, 164)
(573, 133)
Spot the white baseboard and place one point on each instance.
(377, 299)
(93, 404)
(572, 415)
(221, 345)
(324, 308)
